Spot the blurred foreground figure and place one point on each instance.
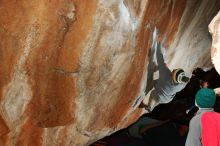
(204, 129)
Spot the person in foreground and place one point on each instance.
(204, 128)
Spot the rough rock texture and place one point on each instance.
(71, 69)
(214, 28)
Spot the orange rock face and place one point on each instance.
(71, 69)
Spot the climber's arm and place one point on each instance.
(160, 59)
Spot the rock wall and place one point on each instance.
(214, 28)
(71, 69)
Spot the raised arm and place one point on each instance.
(160, 58)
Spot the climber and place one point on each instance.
(166, 86)
(204, 128)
